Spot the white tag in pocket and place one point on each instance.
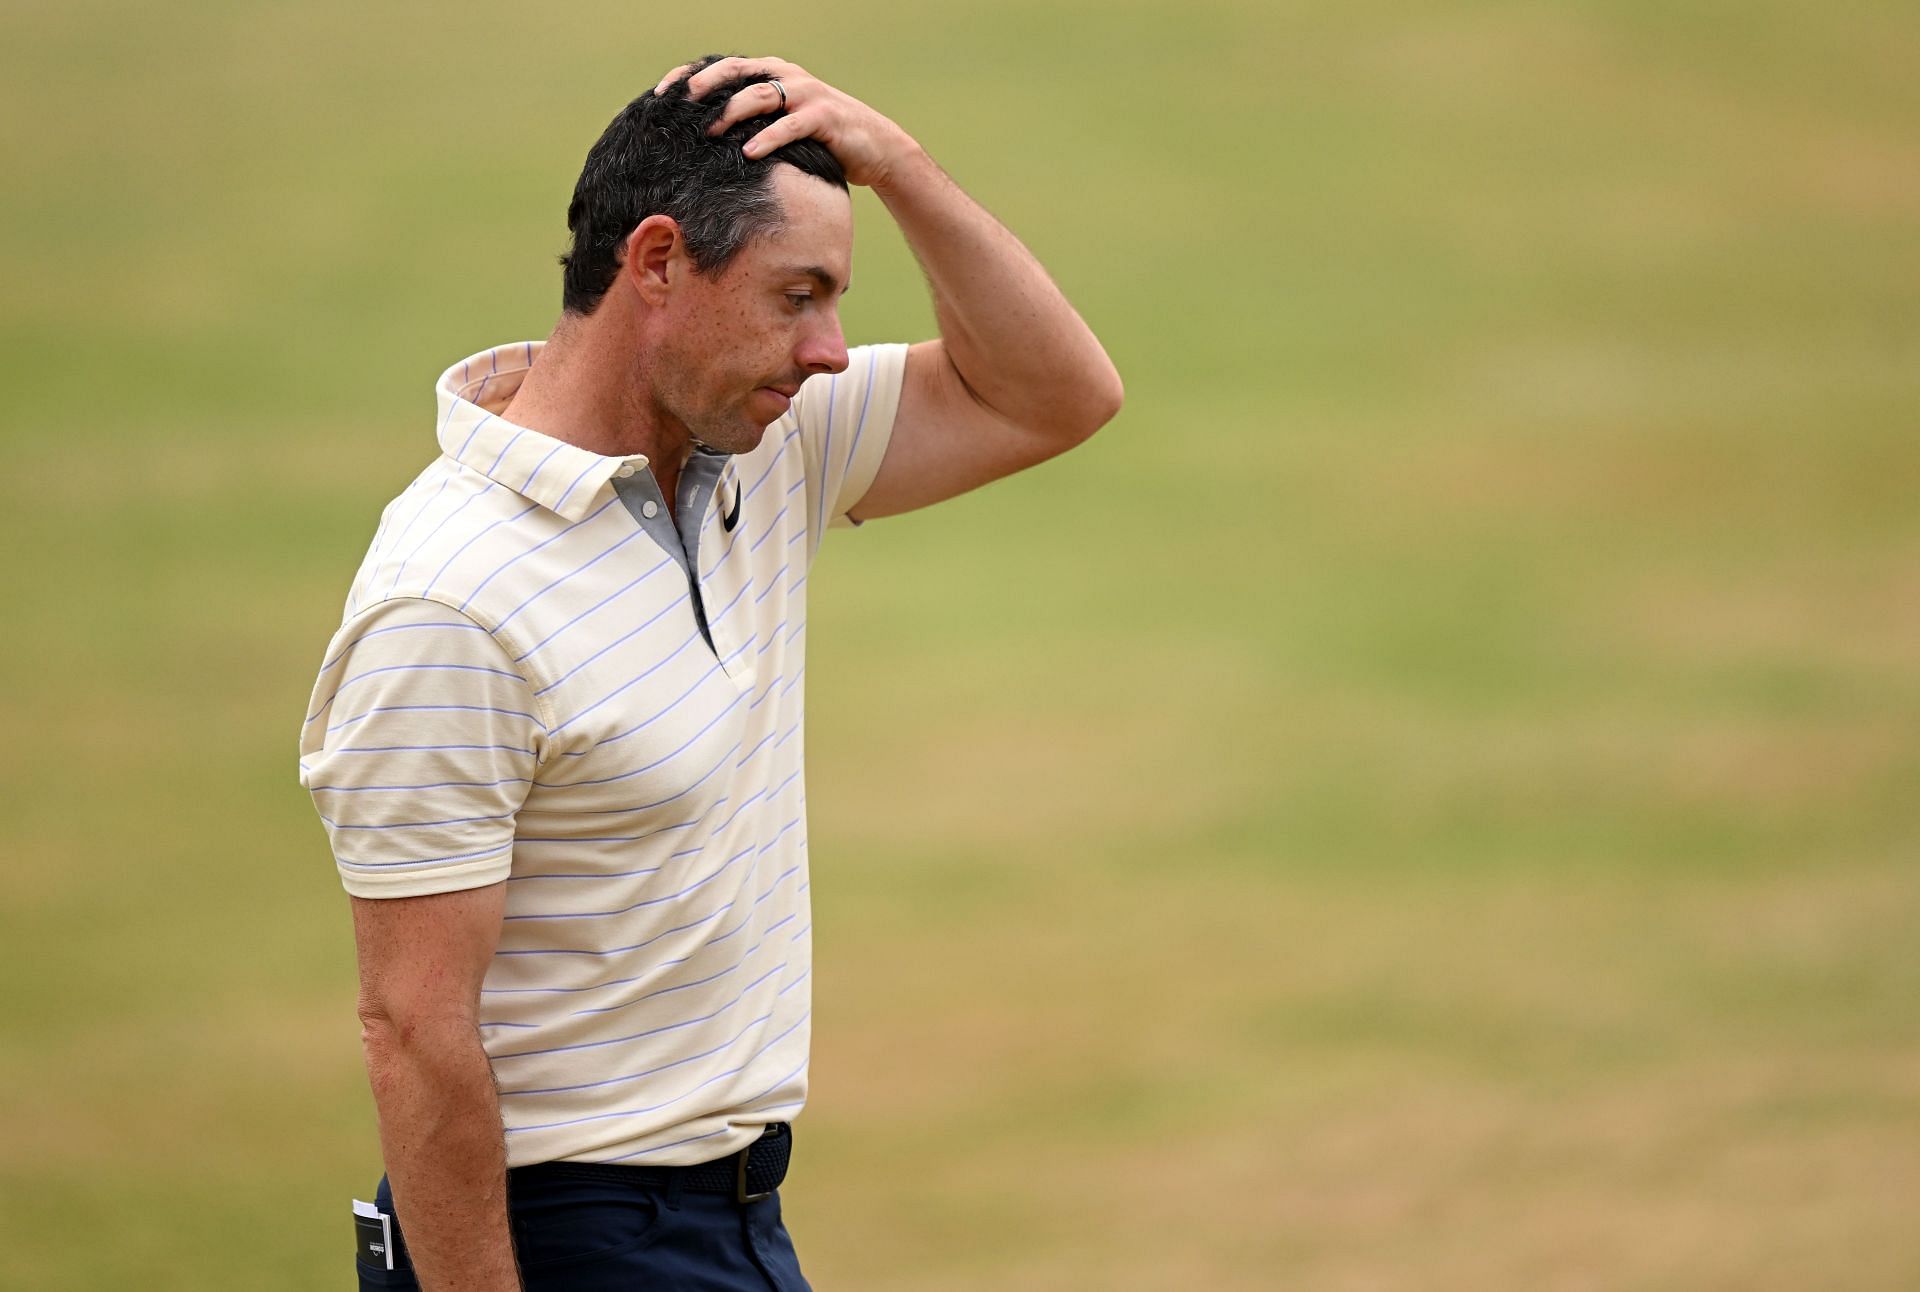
(373, 1228)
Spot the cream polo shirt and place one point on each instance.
(533, 683)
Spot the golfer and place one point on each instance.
(557, 742)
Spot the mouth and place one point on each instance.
(783, 394)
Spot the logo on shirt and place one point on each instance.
(729, 519)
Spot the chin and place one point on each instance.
(738, 438)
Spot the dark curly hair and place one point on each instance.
(656, 158)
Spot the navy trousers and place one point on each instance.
(575, 1235)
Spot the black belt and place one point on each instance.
(749, 1175)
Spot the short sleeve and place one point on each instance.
(420, 745)
(845, 421)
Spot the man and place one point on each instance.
(557, 741)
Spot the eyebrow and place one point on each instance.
(828, 283)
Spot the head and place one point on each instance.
(723, 272)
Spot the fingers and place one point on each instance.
(758, 100)
(729, 68)
(671, 77)
(776, 136)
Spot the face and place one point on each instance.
(736, 346)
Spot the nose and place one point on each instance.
(823, 347)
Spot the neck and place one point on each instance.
(583, 389)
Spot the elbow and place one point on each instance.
(382, 1035)
(391, 1029)
(1097, 404)
(1094, 401)
(1110, 396)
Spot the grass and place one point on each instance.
(1426, 800)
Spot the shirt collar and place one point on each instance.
(559, 476)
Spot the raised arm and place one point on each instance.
(1016, 375)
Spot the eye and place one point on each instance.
(798, 300)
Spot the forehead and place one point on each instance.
(816, 229)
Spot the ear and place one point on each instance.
(656, 259)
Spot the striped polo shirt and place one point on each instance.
(541, 678)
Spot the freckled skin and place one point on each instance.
(758, 323)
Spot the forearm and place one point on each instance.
(1013, 338)
(446, 1161)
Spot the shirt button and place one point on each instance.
(625, 472)
(649, 509)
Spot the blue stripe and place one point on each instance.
(589, 874)
(521, 556)
(595, 606)
(771, 527)
(397, 628)
(484, 531)
(416, 708)
(722, 828)
(648, 1072)
(684, 1095)
(785, 440)
(535, 474)
(423, 749)
(618, 544)
(654, 1031)
(576, 482)
(618, 838)
(770, 844)
(609, 838)
(771, 583)
(664, 758)
(665, 991)
(615, 951)
(645, 722)
(651, 901)
(748, 756)
(647, 807)
(826, 457)
(404, 668)
(461, 455)
(425, 507)
(675, 1143)
(417, 825)
(511, 441)
(770, 684)
(741, 649)
(788, 873)
(715, 620)
(695, 636)
(436, 785)
(417, 547)
(627, 636)
(866, 402)
(425, 861)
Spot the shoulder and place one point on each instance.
(459, 538)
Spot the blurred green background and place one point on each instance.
(1426, 800)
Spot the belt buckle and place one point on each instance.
(740, 1193)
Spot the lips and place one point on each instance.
(783, 394)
